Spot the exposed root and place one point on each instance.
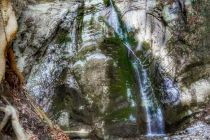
(11, 114)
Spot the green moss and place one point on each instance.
(80, 16)
(122, 77)
(106, 3)
(141, 53)
(91, 23)
(122, 72)
(80, 12)
(146, 45)
(82, 53)
(120, 115)
(63, 37)
(131, 38)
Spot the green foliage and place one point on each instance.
(63, 37)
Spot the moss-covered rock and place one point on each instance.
(63, 37)
(122, 107)
(106, 3)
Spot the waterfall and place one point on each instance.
(153, 112)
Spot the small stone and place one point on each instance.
(207, 119)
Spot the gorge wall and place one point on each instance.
(77, 69)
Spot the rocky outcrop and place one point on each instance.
(17, 121)
(20, 5)
(160, 24)
(57, 52)
(77, 73)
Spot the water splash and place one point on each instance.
(154, 115)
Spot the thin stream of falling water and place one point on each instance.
(154, 115)
(144, 98)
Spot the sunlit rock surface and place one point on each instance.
(8, 29)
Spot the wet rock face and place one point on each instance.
(94, 83)
(38, 26)
(40, 56)
(20, 5)
(44, 47)
(171, 92)
(58, 48)
(159, 24)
